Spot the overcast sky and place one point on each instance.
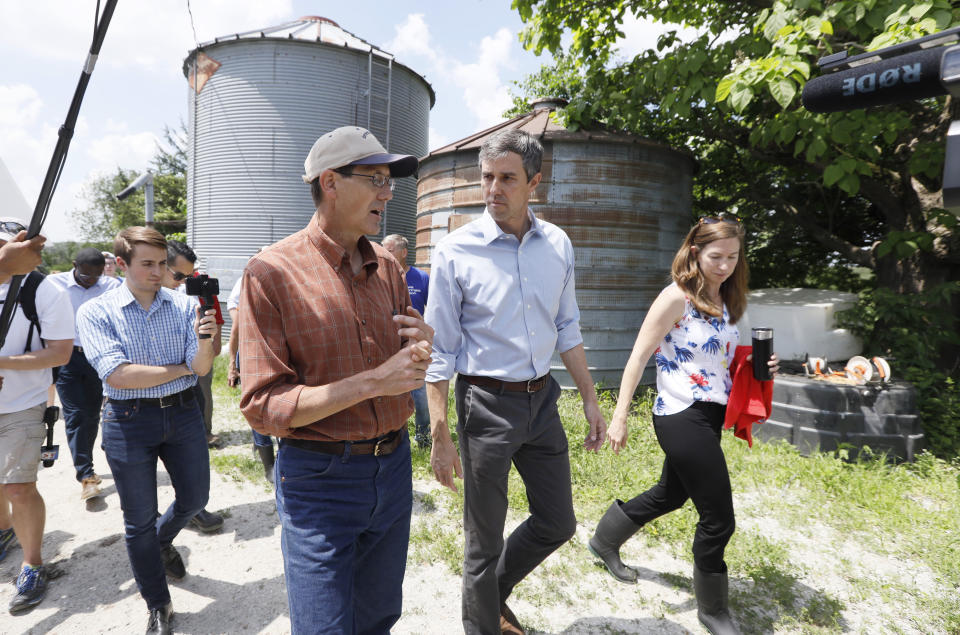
(467, 49)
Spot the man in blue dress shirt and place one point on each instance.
(142, 339)
(502, 300)
(79, 386)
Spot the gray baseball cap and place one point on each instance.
(352, 145)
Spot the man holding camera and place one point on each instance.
(27, 355)
(330, 349)
(143, 340)
(181, 265)
(79, 387)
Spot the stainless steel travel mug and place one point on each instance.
(762, 352)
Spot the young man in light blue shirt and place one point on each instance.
(143, 341)
(502, 300)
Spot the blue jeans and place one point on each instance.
(81, 394)
(134, 437)
(421, 413)
(261, 440)
(345, 528)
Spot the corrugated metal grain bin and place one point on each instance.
(624, 201)
(257, 102)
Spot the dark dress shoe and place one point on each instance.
(207, 522)
(173, 563)
(159, 621)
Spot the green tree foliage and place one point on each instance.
(862, 187)
(826, 198)
(59, 256)
(104, 215)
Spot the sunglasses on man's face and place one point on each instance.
(86, 277)
(179, 276)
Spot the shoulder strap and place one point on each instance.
(28, 303)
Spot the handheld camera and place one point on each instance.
(204, 287)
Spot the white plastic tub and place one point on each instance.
(803, 322)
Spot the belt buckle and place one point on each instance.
(376, 448)
(166, 402)
(530, 384)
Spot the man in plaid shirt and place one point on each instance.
(330, 349)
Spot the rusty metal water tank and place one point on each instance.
(257, 102)
(625, 202)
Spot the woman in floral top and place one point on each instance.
(691, 331)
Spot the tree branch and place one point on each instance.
(859, 255)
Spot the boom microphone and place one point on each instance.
(905, 77)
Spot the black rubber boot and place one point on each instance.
(615, 528)
(266, 456)
(712, 602)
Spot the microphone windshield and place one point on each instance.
(906, 77)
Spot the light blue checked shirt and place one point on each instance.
(114, 330)
(500, 307)
(79, 295)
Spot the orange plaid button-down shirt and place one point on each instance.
(306, 320)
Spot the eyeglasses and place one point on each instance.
(179, 276)
(710, 220)
(12, 227)
(378, 179)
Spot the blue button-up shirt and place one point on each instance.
(114, 330)
(78, 294)
(500, 307)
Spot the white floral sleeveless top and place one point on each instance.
(693, 361)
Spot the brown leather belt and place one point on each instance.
(377, 447)
(531, 385)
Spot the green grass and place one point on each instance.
(852, 515)
(237, 467)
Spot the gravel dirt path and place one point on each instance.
(235, 576)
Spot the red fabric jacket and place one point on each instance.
(749, 400)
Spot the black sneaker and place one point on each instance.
(31, 589)
(173, 563)
(207, 522)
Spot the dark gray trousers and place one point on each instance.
(205, 382)
(494, 430)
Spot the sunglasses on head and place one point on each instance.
(710, 220)
(12, 227)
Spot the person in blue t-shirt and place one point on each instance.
(417, 282)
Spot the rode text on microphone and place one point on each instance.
(918, 69)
